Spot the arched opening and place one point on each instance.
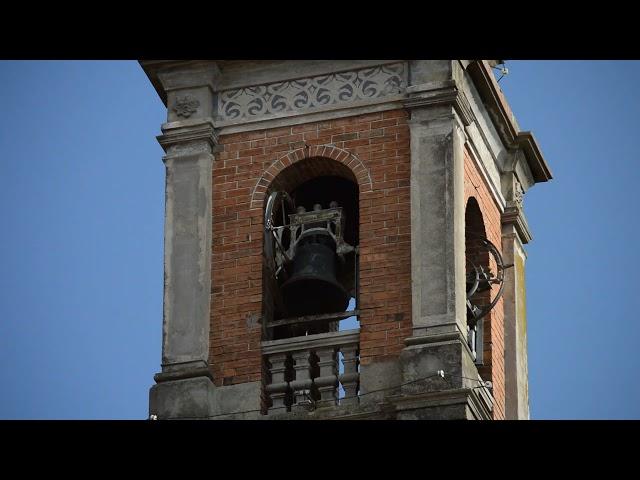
(310, 259)
(478, 264)
(310, 285)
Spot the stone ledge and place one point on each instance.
(346, 337)
(338, 412)
(527, 142)
(480, 404)
(201, 130)
(183, 374)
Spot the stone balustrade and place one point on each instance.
(304, 371)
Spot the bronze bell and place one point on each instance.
(313, 287)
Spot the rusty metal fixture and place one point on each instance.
(480, 279)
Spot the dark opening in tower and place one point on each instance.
(310, 250)
(477, 267)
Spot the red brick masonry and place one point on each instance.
(375, 147)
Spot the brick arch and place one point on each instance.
(351, 161)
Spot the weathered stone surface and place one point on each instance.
(237, 402)
(378, 379)
(453, 106)
(182, 399)
(187, 259)
(437, 221)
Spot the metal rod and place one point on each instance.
(281, 247)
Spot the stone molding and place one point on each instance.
(319, 115)
(481, 404)
(527, 142)
(200, 134)
(446, 337)
(175, 75)
(440, 93)
(439, 339)
(183, 374)
(515, 216)
(504, 120)
(307, 342)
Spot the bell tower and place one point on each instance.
(343, 239)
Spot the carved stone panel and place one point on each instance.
(318, 92)
(186, 105)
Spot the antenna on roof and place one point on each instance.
(503, 70)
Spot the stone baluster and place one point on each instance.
(350, 379)
(278, 387)
(302, 384)
(327, 381)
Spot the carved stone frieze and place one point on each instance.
(331, 90)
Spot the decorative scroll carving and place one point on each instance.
(307, 93)
(186, 106)
(518, 194)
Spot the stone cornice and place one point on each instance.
(319, 115)
(440, 93)
(527, 142)
(504, 120)
(183, 374)
(435, 338)
(481, 403)
(345, 337)
(167, 75)
(492, 98)
(514, 216)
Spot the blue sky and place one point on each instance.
(82, 205)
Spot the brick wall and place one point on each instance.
(376, 149)
(475, 186)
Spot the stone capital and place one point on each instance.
(188, 137)
(440, 94)
(186, 87)
(514, 216)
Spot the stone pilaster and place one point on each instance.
(515, 233)
(184, 386)
(439, 113)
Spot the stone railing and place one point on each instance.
(304, 371)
